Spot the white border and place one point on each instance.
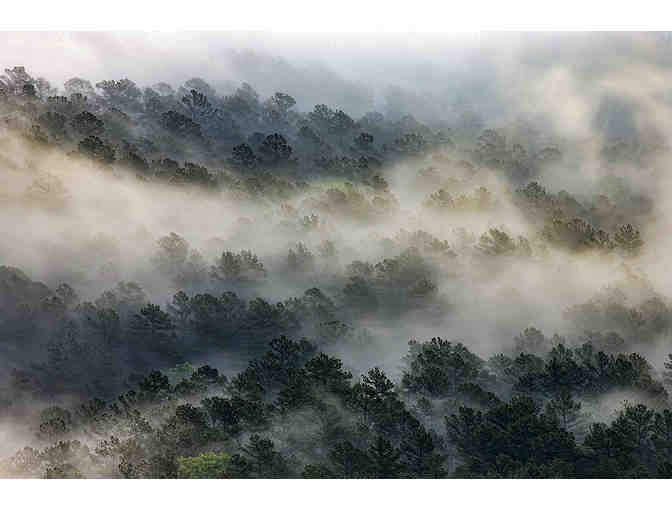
(338, 16)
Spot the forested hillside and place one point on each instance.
(208, 283)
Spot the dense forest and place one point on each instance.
(199, 282)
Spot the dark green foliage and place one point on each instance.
(438, 367)
(264, 460)
(213, 317)
(384, 459)
(87, 124)
(330, 121)
(592, 372)
(364, 141)
(95, 149)
(222, 414)
(275, 150)
(154, 383)
(275, 368)
(477, 396)
(238, 266)
(564, 408)
(180, 308)
(296, 392)
(181, 125)
(509, 438)
(349, 461)
(635, 444)
(328, 373)
(243, 157)
(104, 321)
(420, 454)
(153, 329)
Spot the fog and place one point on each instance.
(432, 228)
